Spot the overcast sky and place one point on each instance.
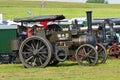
(114, 1)
(109, 1)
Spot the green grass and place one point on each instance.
(68, 13)
(63, 71)
(67, 70)
(16, 9)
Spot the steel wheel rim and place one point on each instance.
(102, 53)
(35, 52)
(86, 55)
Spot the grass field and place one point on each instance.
(16, 8)
(63, 71)
(66, 70)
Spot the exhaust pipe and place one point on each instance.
(89, 21)
(90, 39)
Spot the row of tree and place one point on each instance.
(97, 1)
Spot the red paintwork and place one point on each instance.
(114, 51)
(44, 23)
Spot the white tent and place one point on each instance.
(1, 18)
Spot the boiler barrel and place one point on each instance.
(81, 39)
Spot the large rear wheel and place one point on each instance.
(35, 52)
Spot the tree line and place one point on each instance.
(97, 1)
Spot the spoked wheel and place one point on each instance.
(114, 51)
(35, 52)
(102, 53)
(86, 55)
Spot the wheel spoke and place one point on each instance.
(33, 47)
(30, 50)
(84, 50)
(44, 56)
(40, 60)
(90, 51)
(34, 62)
(41, 57)
(43, 52)
(40, 43)
(81, 56)
(29, 46)
(90, 60)
(26, 52)
(28, 59)
(41, 48)
(92, 57)
(101, 54)
(33, 40)
(37, 45)
(100, 50)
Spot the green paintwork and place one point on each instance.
(5, 36)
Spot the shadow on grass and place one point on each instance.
(64, 64)
(72, 64)
(60, 64)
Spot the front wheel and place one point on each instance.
(86, 55)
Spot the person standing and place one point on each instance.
(42, 4)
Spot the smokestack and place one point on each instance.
(91, 39)
(89, 20)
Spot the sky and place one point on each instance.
(109, 1)
(114, 1)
